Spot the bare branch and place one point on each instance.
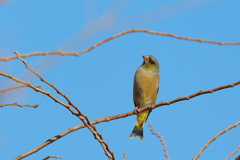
(75, 53)
(124, 156)
(48, 157)
(78, 114)
(33, 87)
(123, 115)
(19, 105)
(231, 154)
(161, 139)
(214, 138)
(22, 86)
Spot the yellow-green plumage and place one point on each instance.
(145, 90)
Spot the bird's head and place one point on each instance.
(150, 63)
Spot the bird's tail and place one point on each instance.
(137, 131)
(138, 128)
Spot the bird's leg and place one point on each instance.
(150, 107)
(136, 111)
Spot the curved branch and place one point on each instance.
(214, 138)
(232, 153)
(75, 53)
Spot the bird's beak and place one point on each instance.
(145, 58)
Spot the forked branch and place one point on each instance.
(74, 110)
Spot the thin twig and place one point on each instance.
(78, 114)
(22, 86)
(48, 157)
(232, 153)
(123, 115)
(33, 87)
(75, 53)
(124, 156)
(214, 138)
(161, 139)
(19, 105)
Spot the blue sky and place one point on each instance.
(100, 82)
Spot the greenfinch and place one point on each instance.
(145, 90)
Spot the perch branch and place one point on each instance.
(123, 115)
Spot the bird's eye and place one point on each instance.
(151, 61)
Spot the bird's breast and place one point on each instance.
(145, 88)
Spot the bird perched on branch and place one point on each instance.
(145, 90)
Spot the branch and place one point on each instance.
(48, 157)
(214, 138)
(123, 115)
(77, 113)
(75, 53)
(33, 87)
(231, 154)
(19, 105)
(22, 86)
(161, 139)
(124, 156)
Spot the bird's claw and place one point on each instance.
(150, 107)
(136, 111)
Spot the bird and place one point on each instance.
(145, 91)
